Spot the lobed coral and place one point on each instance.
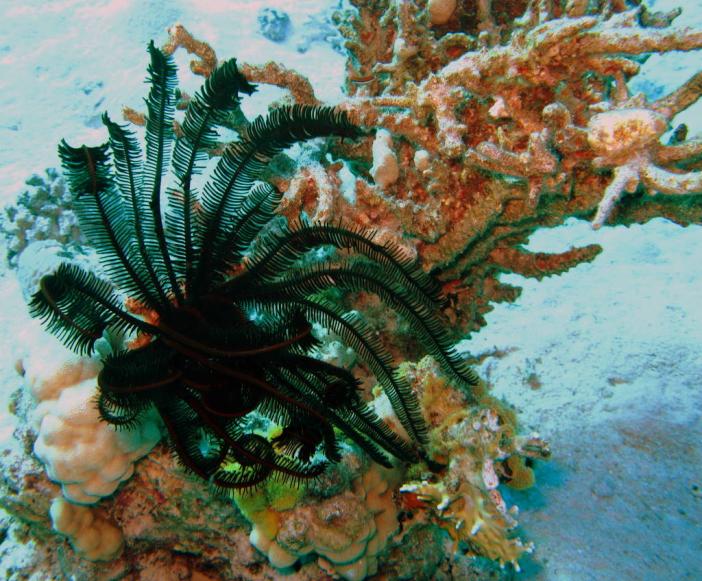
(94, 537)
(344, 521)
(87, 457)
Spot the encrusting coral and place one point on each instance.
(473, 440)
(491, 120)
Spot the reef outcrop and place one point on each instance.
(491, 120)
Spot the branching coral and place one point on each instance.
(626, 137)
(42, 212)
(526, 121)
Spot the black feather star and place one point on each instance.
(228, 336)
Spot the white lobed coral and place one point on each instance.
(85, 455)
(92, 536)
(385, 170)
(347, 531)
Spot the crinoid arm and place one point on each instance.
(209, 108)
(227, 336)
(373, 277)
(78, 307)
(224, 207)
(286, 246)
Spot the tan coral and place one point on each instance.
(346, 531)
(628, 140)
(206, 58)
(464, 498)
(440, 11)
(86, 456)
(468, 515)
(92, 535)
(271, 73)
(613, 135)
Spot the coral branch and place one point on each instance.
(180, 37)
(680, 99)
(540, 264)
(275, 74)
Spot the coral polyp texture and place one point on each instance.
(285, 324)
